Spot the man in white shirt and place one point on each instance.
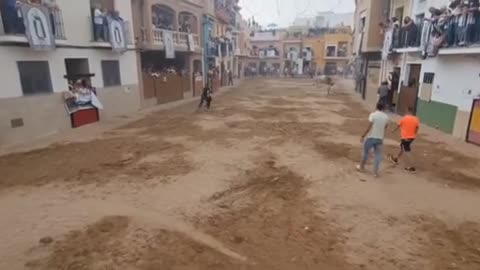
(98, 17)
(374, 134)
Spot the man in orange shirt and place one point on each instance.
(409, 126)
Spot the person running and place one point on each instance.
(374, 134)
(206, 97)
(409, 126)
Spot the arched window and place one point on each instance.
(187, 22)
(163, 17)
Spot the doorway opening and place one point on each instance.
(409, 89)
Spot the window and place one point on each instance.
(428, 77)
(331, 51)
(35, 77)
(111, 73)
(362, 23)
(399, 14)
(103, 4)
(77, 66)
(342, 49)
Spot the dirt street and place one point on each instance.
(265, 180)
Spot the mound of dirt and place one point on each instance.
(278, 225)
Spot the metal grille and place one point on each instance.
(111, 73)
(35, 77)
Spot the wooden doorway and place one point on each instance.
(409, 89)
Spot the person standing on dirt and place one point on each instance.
(206, 97)
(230, 77)
(409, 126)
(394, 81)
(374, 135)
(382, 92)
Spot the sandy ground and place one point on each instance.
(265, 180)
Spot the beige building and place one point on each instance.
(426, 67)
(368, 45)
(268, 46)
(168, 34)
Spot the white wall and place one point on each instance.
(11, 86)
(422, 6)
(455, 77)
(322, 19)
(78, 31)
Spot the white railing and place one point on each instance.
(179, 38)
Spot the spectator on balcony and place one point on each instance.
(451, 24)
(116, 16)
(472, 17)
(476, 11)
(395, 33)
(98, 23)
(410, 30)
(185, 27)
(462, 26)
(12, 23)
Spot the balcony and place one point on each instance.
(407, 39)
(102, 38)
(332, 53)
(180, 39)
(12, 27)
(260, 36)
(224, 11)
(448, 39)
(268, 53)
(292, 40)
(458, 40)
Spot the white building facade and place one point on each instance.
(442, 83)
(31, 99)
(325, 19)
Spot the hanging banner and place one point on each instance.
(169, 45)
(117, 34)
(38, 27)
(191, 43)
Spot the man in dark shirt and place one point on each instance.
(10, 17)
(382, 92)
(394, 81)
(206, 97)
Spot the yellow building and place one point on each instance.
(317, 45)
(331, 51)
